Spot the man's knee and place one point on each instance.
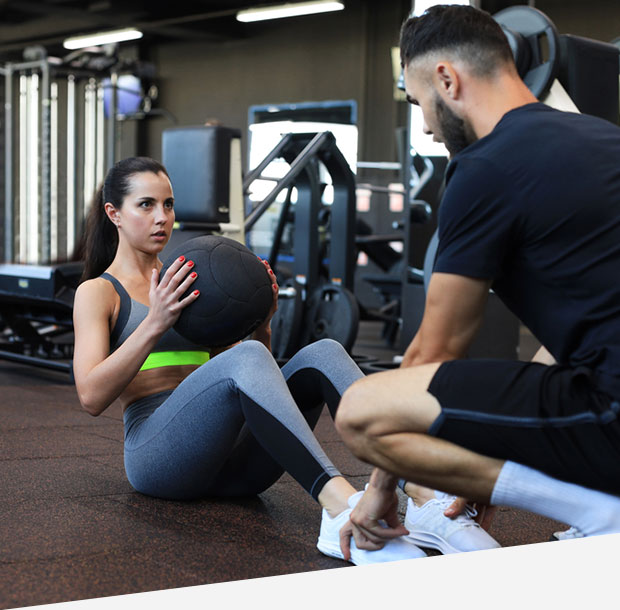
(353, 418)
(382, 404)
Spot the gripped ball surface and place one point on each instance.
(235, 291)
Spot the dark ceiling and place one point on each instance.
(48, 22)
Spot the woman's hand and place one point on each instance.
(275, 288)
(266, 325)
(165, 302)
(263, 332)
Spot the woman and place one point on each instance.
(199, 422)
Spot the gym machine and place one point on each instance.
(60, 132)
(316, 300)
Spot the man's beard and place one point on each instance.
(454, 132)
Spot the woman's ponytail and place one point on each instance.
(101, 239)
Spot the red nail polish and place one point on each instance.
(193, 274)
(196, 292)
(190, 263)
(181, 258)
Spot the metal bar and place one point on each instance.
(277, 238)
(298, 164)
(44, 148)
(33, 194)
(71, 147)
(23, 167)
(29, 65)
(379, 189)
(90, 98)
(100, 168)
(53, 240)
(274, 154)
(8, 164)
(111, 135)
(65, 367)
(378, 165)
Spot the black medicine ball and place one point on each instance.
(235, 291)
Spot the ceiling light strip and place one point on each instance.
(92, 40)
(288, 10)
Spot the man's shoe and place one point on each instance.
(570, 534)
(429, 527)
(396, 549)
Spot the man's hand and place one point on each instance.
(374, 521)
(485, 515)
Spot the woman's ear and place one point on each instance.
(113, 214)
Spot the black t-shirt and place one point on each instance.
(535, 207)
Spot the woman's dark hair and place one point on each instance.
(471, 33)
(101, 236)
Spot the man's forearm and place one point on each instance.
(383, 480)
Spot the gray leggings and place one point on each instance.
(235, 424)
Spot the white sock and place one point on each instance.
(591, 512)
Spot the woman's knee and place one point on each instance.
(324, 350)
(245, 356)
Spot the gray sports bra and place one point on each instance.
(171, 349)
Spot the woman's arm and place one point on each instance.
(101, 377)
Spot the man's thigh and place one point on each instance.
(393, 401)
(550, 418)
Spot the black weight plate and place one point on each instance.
(332, 312)
(524, 24)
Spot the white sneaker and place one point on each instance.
(430, 528)
(329, 541)
(570, 534)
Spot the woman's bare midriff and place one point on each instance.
(153, 381)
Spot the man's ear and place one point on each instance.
(112, 213)
(447, 79)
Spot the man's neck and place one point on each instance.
(494, 99)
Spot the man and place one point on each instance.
(532, 210)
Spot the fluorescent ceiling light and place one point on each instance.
(288, 10)
(92, 40)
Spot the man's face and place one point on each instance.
(439, 120)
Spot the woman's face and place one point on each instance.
(146, 217)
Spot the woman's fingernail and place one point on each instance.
(196, 292)
(270, 272)
(193, 274)
(190, 263)
(181, 258)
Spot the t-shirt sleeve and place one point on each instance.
(476, 221)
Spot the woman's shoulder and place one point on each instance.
(97, 292)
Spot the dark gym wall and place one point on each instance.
(598, 19)
(344, 55)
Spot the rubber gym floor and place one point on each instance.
(71, 526)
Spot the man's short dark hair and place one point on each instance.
(471, 33)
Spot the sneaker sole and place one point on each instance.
(330, 550)
(430, 541)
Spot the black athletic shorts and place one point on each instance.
(550, 418)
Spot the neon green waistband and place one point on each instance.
(158, 359)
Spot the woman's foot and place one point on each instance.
(328, 543)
